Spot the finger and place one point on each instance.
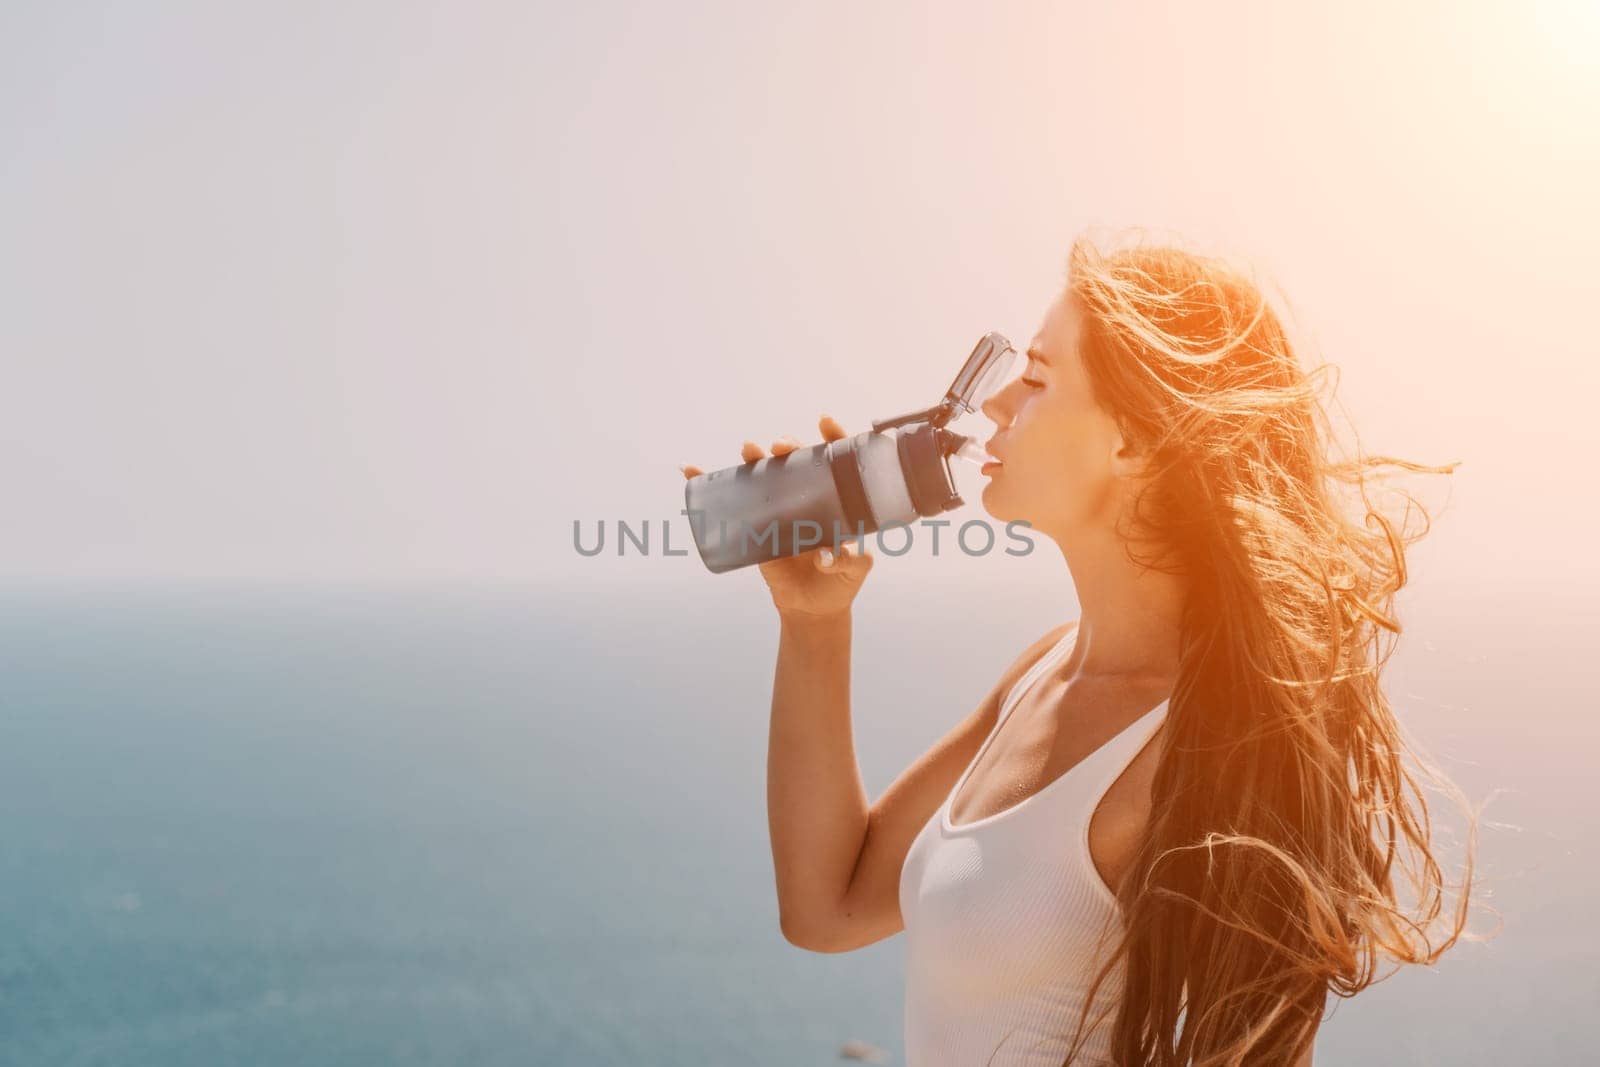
(825, 559)
(784, 445)
(690, 470)
(857, 555)
(831, 430)
(751, 452)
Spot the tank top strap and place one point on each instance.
(1106, 764)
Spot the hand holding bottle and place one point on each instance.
(816, 583)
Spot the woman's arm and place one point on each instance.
(816, 805)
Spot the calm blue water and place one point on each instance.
(258, 825)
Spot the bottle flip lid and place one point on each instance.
(984, 369)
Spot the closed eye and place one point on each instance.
(1031, 383)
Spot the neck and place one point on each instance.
(1130, 616)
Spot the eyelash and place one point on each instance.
(1032, 384)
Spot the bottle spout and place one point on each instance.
(973, 452)
(967, 448)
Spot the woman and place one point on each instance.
(1178, 822)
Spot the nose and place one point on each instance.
(999, 407)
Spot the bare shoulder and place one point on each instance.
(1032, 654)
(944, 761)
(961, 741)
(1019, 666)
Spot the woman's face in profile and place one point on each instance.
(1055, 444)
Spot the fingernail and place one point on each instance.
(827, 557)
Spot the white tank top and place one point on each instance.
(1004, 916)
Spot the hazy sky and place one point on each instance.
(401, 289)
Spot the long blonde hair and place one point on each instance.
(1289, 849)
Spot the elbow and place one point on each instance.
(797, 931)
(809, 934)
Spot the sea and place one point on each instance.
(515, 823)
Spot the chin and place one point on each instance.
(995, 504)
(999, 501)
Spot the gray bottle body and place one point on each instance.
(821, 495)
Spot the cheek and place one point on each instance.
(1065, 446)
(1084, 460)
(1063, 465)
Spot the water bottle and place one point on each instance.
(841, 490)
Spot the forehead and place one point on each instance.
(1056, 341)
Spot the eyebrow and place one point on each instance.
(1036, 354)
